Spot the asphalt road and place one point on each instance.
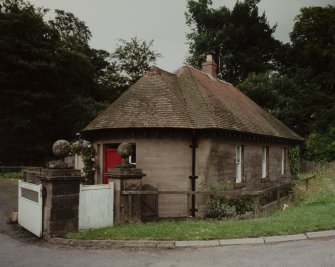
(299, 253)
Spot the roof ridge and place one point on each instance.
(154, 67)
(203, 100)
(190, 99)
(210, 76)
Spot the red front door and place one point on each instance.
(111, 158)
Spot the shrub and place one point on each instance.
(242, 205)
(294, 156)
(223, 207)
(319, 189)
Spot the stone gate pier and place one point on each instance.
(126, 177)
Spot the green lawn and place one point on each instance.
(11, 175)
(315, 210)
(297, 219)
(9, 181)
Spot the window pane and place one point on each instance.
(238, 154)
(283, 161)
(239, 164)
(264, 161)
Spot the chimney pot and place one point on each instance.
(209, 58)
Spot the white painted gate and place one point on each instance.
(96, 203)
(30, 207)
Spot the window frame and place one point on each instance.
(133, 155)
(239, 165)
(283, 161)
(265, 162)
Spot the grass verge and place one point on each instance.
(313, 210)
(293, 220)
(9, 181)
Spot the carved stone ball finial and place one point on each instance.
(61, 148)
(125, 150)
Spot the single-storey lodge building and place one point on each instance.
(189, 128)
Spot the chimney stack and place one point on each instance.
(209, 66)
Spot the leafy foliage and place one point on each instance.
(219, 210)
(88, 153)
(294, 157)
(313, 45)
(321, 147)
(223, 207)
(52, 83)
(71, 29)
(130, 60)
(314, 51)
(240, 40)
(133, 58)
(283, 96)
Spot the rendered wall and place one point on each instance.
(167, 163)
(216, 163)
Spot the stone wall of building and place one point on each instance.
(166, 159)
(216, 163)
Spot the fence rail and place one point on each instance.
(265, 201)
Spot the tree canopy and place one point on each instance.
(293, 81)
(52, 82)
(240, 40)
(304, 99)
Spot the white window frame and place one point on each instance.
(283, 161)
(265, 159)
(130, 157)
(130, 160)
(239, 164)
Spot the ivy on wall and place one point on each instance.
(294, 157)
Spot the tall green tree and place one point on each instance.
(46, 87)
(313, 53)
(52, 82)
(129, 61)
(284, 96)
(313, 42)
(71, 29)
(302, 94)
(240, 40)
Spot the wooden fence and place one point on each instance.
(96, 206)
(265, 201)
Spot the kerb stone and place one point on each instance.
(242, 241)
(284, 238)
(200, 243)
(321, 234)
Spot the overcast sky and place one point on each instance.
(162, 21)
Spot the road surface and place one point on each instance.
(317, 252)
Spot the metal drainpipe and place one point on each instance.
(193, 177)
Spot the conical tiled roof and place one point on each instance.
(188, 99)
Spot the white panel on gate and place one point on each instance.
(96, 203)
(30, 207)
